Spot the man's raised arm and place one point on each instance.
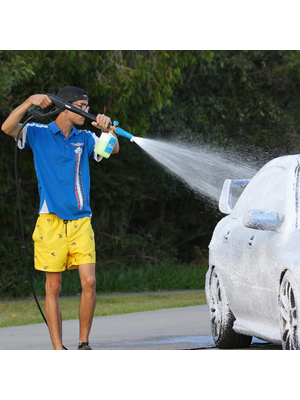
(11, 125)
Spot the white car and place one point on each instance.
(253, 281)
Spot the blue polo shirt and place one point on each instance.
(62, 168)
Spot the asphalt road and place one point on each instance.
(185, 328)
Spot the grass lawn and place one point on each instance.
(16, 313)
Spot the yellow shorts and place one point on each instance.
(60, 244)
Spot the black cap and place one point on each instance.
(72, 93)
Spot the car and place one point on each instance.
(253, 279)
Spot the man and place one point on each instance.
(63, 236)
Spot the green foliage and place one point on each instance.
(122, 280)
(126, 85)
(143, 218)
(15, 70)
(246, 97)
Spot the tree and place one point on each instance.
(245, 97)
(141, 215)
(15, 70)
(129, 85)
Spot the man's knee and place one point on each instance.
(53, 284)
(89, 283)
(87, 277)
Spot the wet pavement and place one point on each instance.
(177, 342)
(185, 328)
(181, 343)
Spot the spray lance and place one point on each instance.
(106, 141)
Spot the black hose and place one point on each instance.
(23, 245)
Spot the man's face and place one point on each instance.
(76, 118)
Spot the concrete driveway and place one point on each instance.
(184, 328)
(176, 328)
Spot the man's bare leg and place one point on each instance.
(52, 308)
(87, 301)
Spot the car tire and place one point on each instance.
(289, 316)
(222, 318)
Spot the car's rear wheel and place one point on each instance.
(289, 316)
(222, 318)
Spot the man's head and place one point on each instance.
(79, 98)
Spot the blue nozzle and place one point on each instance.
(121, 132)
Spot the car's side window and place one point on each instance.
(267, 190)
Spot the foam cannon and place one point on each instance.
(106, 141)
(115, 129)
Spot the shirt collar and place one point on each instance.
(55, 129)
